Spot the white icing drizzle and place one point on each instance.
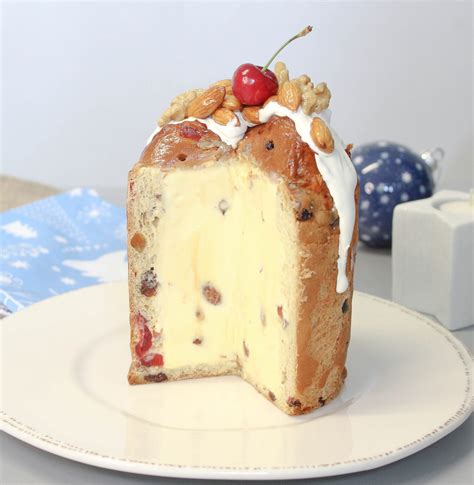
(230, 133)
(336, 168)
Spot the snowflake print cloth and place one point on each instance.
(58, 244)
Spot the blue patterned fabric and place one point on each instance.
(58, 244)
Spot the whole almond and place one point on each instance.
(250, 114)
(289, 95)
(270, 99)
(226, 83)
(321, 135)
(224, 116)
(206, 103)
(231, 102)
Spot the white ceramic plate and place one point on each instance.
(64, 389)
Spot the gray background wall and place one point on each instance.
(84, 82)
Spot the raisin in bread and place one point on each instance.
(241, 255)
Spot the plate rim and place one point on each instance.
(35, 438)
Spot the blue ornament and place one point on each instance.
(390, 174)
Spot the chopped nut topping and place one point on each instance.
(271, 396)
(281, 73)
(289, 95)
(322, 136)
(177, 109)
(206, 103)
(314, 99)
(211, 294)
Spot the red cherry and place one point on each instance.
(252, 86)
(151, 360)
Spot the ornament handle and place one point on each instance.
(433, 159)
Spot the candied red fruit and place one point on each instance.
(145, 341)
(152, 360)
(194, 133)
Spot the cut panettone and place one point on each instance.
(241, 251)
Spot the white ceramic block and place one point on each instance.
(433, 257)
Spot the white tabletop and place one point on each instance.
(449, 461)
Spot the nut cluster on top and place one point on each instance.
(292, 93)
(252, 88)
(220, 102)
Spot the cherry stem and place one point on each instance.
(305, 31)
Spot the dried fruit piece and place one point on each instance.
(293, 402)
(250, 114)
(348, 150)
(225, 117)
(193, 132)
(345, 306)
(304, 215)
(321, 401)
(322, 136)
(160, 377)
(145, 340)
(149, 283)
(197, 341)
(138, 242)
(211, 294)
(271, 396)
(269, 145)
(206, 103)
(280, 314)
(199, 314)
(152, 360)
(232, 103)
(289, 95)
(280, 311)
(144, 344)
